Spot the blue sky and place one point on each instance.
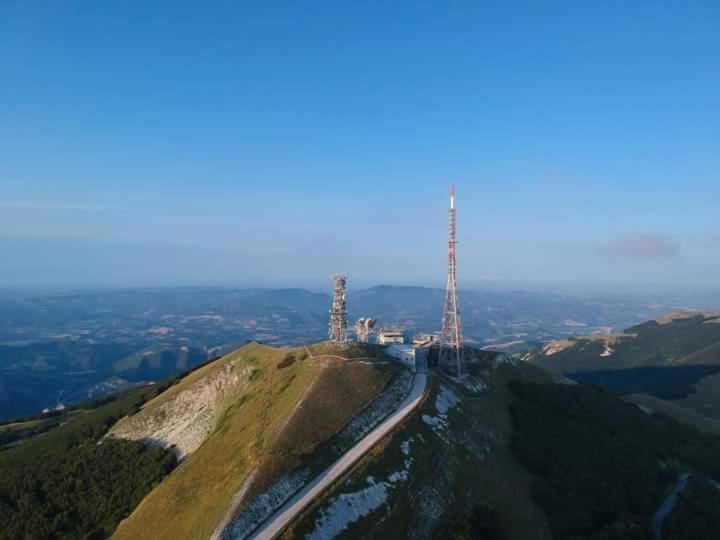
(248, 143)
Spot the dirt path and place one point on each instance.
(316, 357)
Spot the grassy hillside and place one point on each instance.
(705, 397)
(282, 409)
(683, 414)
(666, 358)
(450, 456)
(602, 465)
(678, 342)
(507, 455)
(523, 459)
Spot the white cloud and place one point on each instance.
(642, 246)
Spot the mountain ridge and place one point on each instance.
(488, 457)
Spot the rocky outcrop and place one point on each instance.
(184, 421)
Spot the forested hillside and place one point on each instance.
(672, 358)
(71, 483)
(603, 465)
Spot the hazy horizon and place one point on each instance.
(165, 144)
(648, 291)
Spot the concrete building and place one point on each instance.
(404, 353)
(424, 340)
(390, 336)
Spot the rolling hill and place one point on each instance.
(512, 452)
(519, 456)
(258, 418)
(675, 357)
(61, 347)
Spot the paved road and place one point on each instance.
(282, 517)
(667, 506)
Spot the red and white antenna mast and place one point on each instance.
(451, 354)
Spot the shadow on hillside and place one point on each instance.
(666, 382)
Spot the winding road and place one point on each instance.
(667, 506)
(276, 523)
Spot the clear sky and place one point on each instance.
(277, 143)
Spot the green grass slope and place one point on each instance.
(670, 358)
(680, 413)
(705, 398)
(526, 458)
(453, 455)
(282, 409)
(693, 340)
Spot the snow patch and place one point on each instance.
(474, 384)
(508, 359)
(234, 505)
(405, 449)
(446, 399)
(263, 506)
(524, 358)
(347, 508)
(398, 476)
(434, 421)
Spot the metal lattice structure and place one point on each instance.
(451, 354)
(338, 313)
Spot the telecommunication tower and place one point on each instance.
(338, 312)
(451, 355)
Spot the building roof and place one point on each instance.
(402, 347)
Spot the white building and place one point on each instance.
(390, 337)
(424, 340)
(404, 353)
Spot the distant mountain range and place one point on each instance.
(56, 347)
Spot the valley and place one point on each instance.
(63, 348)
(340, 439)
(674, 358)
